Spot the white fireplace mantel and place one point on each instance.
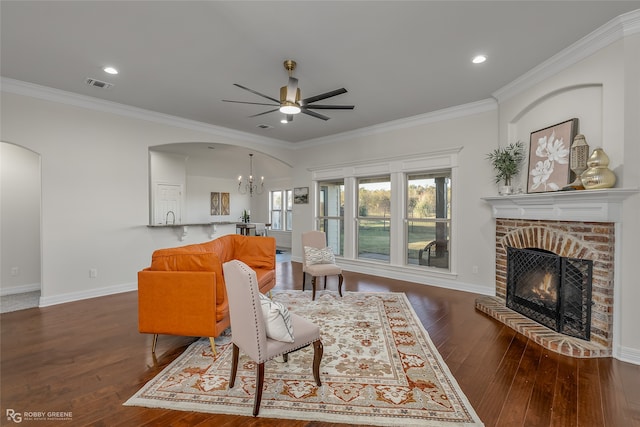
(582, 205)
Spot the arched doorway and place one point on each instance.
(20, 242)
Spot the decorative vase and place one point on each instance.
(598, 175)
(505, 190)
(578, 161)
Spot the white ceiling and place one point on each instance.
(396, 59)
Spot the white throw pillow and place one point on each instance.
(319, 256)
(277, 320)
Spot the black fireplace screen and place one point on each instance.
(555, 291)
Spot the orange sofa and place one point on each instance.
(183, 291)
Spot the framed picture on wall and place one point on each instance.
(301, 195)
(549, 153)
(224, 204)
(215, 203)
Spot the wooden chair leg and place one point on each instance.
(153, 343)
(259, 384)
(317, 358)
(213, 345)
(313, 285)
(234, 365)
(325, 282)
(304, 276)
(340, 279)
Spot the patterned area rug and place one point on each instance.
(379, 367)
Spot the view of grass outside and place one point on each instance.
(428, 216)
(427, 225)
(374, 212)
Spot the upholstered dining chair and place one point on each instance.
(318, 260)
(250, 327)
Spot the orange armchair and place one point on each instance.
(183, 291)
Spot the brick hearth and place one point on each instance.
(555, 341)
(586, 240)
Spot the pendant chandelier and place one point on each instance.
(249, 186)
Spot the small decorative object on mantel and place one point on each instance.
(578, 161)
(598, 175)
(506, 162)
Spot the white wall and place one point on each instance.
(20, 217)
(95, 189)
(198, 206)
(475, 130)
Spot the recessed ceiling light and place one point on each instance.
(284, 121)
(110, 70)
(479, 59)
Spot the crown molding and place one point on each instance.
(614, 30)
(455, 112)
(19, 87)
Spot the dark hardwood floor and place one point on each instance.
(87, 358)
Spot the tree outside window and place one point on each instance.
(428, 219)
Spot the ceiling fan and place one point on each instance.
(290, 102)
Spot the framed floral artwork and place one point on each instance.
(549, 153)
(215, 203)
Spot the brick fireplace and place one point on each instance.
(578, 224)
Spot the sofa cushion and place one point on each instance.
(256, 256)
(183, 259)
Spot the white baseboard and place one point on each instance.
(410, 274)
(628, 354)
(21, 289)
(93, 293)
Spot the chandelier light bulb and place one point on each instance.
(249, 186)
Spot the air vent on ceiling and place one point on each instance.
(263, 126)
(98, 83)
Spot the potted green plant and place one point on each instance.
(506, 162)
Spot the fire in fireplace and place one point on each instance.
(555, 291)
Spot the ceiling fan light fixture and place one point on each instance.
(288, 107)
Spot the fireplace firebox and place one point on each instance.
(554, 291)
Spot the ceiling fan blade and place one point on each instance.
(331, 107)
(258, 93)
(266, 112)
(314, 114)
(251, 103)
(292, 89)
(323, 96)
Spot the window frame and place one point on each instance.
(435, 220)
(286, 209)
(397, 167)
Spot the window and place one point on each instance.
(288, 223)
(331, 213)
(428, 219)
(374, 218)
(281, 209)
(276, 210)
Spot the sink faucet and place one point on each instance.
(166, 221)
